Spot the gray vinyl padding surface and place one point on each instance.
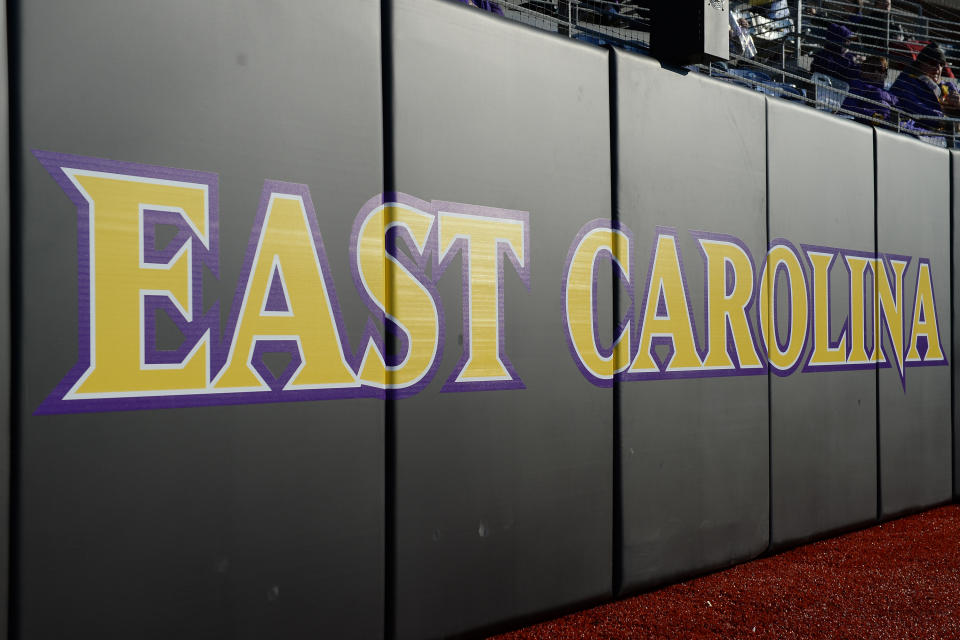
(695, 473)
(504, 502)
(913, 219)
(823, 425)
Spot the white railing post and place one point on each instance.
(886, 46)
(799, 33)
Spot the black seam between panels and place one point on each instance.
(877, 337)
(617, 488)
(14, 140)
(953, 335)
(766, 160)
(389, 417)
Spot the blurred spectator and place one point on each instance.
(918, 89)
(838, 11)
(741, 42)
(869, 99)
(770, 21)
(486, 5)
(878, 28)
(848, 10)
(834, 59)
(820, 14)
(813, 21)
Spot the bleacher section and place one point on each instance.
(775, 46)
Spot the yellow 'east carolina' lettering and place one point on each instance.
(785, 359)
(119, 280)
(579, 303)
(723, 308)
(286, 240)
(666, 280)
(399, 294)
(285, 298)
(924, 319)
(823, 354)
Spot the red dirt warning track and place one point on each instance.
(899, 580)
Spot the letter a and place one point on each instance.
(674, 321)
(304, 320)
(925, 319)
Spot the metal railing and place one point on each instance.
(625, 24)
(786, 35)
(942, 132)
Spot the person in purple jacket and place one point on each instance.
(834, 59)
(870, 101)
(486, 5)
(919, 91)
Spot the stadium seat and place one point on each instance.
(830, 92)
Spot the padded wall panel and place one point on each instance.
(503, 496)
(695, 472)
(913, 219)
(245, 521)
(823, 424)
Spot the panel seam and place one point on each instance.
(389, 402)
(14, 141)
(617, 469)
(877, 337)
(766, 134)
(953, 335)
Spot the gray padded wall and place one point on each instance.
(913, 219)
(221, 522)
(503, 497)
(823, 424)
(695, 473)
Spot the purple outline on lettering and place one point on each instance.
(933, 294)
(618, 269)
(460, 245)
(885, 259)
(262, 347)
(870, 257)
(811, 313)
(417, 268)
(663, 374)
(728, 327)
(55, 164)
(773, 302)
